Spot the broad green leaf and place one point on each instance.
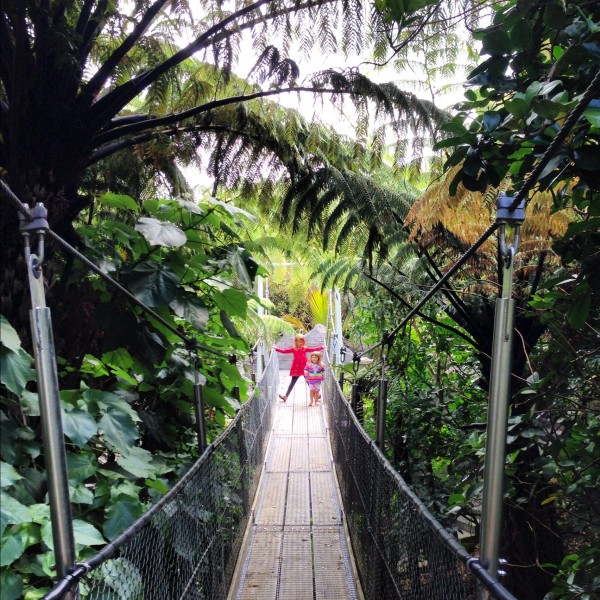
(231, 208)
(30, 404)
(228, 324)
(15, 369)
(496, 42)
(11, 585)
(120, 515)
(80, 467)
(233, 302)
(85, 534)
(245, 266)
(11, 549)
(82, 495)
(454, 127)
(153, 284)
(119, 358)
(579, 310)
(160, 233)
(137, 461)
(491, 120)
(592, 114)
(117, 201)
(110, 400)
(192, 309)
(79, 426)
(12, 511)
(190, 206)
(8, 335)
(118, 430)
(8, 474)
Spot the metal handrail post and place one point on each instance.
(381, 413)
(200, 417)
(497, 423)
(49, 398)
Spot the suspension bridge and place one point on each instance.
(291, 501)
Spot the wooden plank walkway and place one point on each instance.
(295, 546)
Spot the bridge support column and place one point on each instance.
(200, 418)
(49, 397)
(381, 413)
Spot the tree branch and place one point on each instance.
(99, 79)
(153, 123)
(114, 101)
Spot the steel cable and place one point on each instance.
(557, 141)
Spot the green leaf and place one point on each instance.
(496, 42)
(153, 284)
(30, 404)
(8, 474)
(85, 534)
(120, 515)
(454, 127)
(8, 335)
(138, 462)
(245, 267)
(15, 369)
(11, 549)
(79, 426)
(118, 429)
(80, 467)
(82, 495)
(11, 586)
(119, 358)
(491, 120)
(229, 326)
(233, 302)
(520, 35)
(160, 233)
(231, 209)
(12, 511)
(192, 309)
(579, 310)
(592, 114)
(117, 201)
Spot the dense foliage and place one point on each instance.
(539, 58)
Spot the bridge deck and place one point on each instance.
(296, 546)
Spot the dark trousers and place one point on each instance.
(292, 384)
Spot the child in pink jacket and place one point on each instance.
(299, 350)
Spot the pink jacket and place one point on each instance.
(299, 360)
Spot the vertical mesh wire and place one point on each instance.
(186, 546)
(400, 550)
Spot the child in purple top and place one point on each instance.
(314, 373)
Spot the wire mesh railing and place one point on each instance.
(400, 549)
(186, 546)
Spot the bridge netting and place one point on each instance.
(186, 546)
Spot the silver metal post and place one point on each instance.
(381, 413)
(200, 419)
(496, 435)
(51, 420)
(497, 423)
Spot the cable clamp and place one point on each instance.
(38, 224)
(506, 214)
